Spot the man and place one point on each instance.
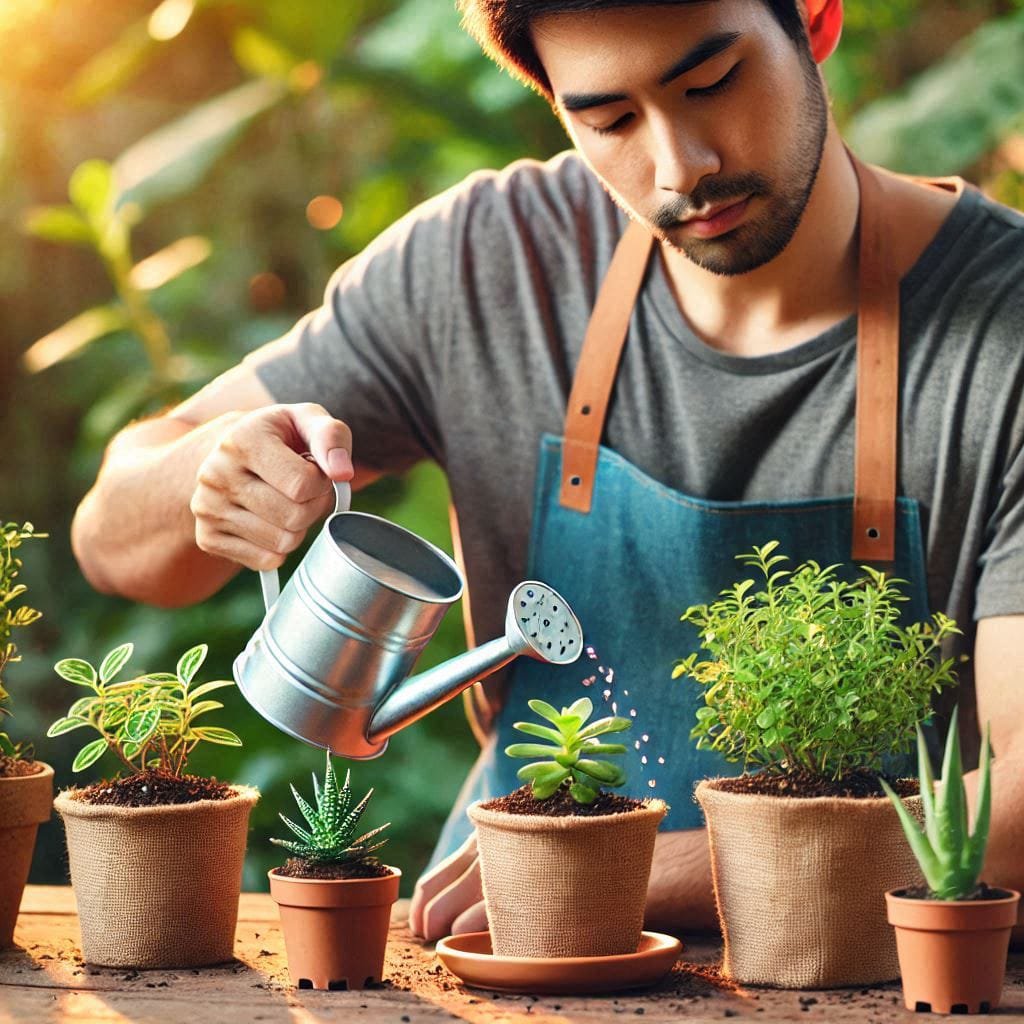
(733, 414)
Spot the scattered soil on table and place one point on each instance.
(17, 767)
(296, 867)
(803, 784)
(982, 892)
(561, 805)
(155, 787)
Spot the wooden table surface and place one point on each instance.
(45, 980)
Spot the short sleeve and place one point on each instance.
(1001, 581)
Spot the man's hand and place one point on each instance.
(449, 899)
(256, 495)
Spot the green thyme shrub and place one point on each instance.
(949, 855)
(147, 721)
(11, 618)
(812, 672)
(330, 835)
(569, 753)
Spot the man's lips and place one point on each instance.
(717, 221)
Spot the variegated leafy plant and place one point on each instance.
(147, 721)
(949, 854)
(569, 754)
(330, 835)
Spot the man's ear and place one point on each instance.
(824, 26)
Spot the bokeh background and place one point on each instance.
(249, 147)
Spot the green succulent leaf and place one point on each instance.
(541, 731)
(582, 794)
(607, 774)
(545, 710)
(605, 725)
(531, 750)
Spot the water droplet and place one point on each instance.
(607, 694)
(637, 744)
(587, 682)
(643, 760)
(652, 783)
(661, 760)
(625, 693)
(611, 674)
(600, 668)
(632, 713)
(646, 737)
(615, 707)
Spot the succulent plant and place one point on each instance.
(571, 754)
(949, 855)
(329, 838)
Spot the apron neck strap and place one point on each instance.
(876, 436)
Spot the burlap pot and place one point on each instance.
(157, 886)
(573, 886)
(25, 802)
(801, 884)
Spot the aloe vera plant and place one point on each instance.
(329, 837)
(949, 854)
(570, 754)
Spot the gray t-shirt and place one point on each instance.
(454, 337)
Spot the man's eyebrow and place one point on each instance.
(707, 48)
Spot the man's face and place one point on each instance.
(704, 120)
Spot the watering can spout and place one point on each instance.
(538, 623)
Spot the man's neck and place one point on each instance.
(808, 287)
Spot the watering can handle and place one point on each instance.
(269, 580)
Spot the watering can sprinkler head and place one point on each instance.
(329, 664)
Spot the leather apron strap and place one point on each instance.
(876, 438)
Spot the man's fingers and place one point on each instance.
(327, 439)
(472, 920)
(441, 912)
(442, 875)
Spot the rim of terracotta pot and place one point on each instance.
(33, 804)
(45, 773)
(511, 822)
(952, 915)
(323, 893)
(67, 804)
(801, 801)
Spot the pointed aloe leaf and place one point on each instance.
(531, 750)
(305, 836)
(348, 823)
(541, 731)
(299, 849)
(114, 662)
(927, 781)
(318, 796)
(545, 710)
(951, 802)
(88, 754)
(608, 774)
(974, 857)
(926, 857)
(309, 813)
(328, 806)
(605, 725)
(369, 835)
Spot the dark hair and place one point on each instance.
(502, 28)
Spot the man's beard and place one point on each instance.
(758, 240)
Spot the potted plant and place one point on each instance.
(333, 895)
(26, 785)
(810, 682)
(565, 864)
(953, 933)
(156, 854)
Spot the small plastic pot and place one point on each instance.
(335, 929)
(25, 803)
(952, 953)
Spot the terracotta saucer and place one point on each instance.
(469, 958)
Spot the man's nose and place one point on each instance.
(681, 159)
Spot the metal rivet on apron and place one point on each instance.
(873, 533)
(585, 410)
(575, 481)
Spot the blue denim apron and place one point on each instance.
(630, 554)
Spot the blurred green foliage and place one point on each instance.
(193, 134)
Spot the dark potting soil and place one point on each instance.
(155, 787)
(982, 892)
(803, 784)
(297, 867)
(17, 767)
(561, 805)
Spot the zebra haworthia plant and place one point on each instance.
(569, 752)
(329, 837)
(147, 721)
(949, 854)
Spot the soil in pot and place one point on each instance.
(335, 919)
(153, 788)
(561, 804)
(805, 785)
(18, 767)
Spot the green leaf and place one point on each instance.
(88, 754)
(308, 812)
(189, 662)
(114, 662)
(91, 188)
(922, 850)
(545, 710)
(140, 725)
(130, 749)
(206, 688)
(581, 709)
(7, 746)
(74, 670)
(603, 748)
(541, 731)
(974, 855)
(766, 719)
(543, 772)
(63, 725)
(72, 337)
(262, 55)
(203, 706)
(62, 224)
(212, 734)
(605, 773)
(582, 794)
(603, 726)
(531, 750)
(951, 802)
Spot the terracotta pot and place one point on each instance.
(799, 885)
(157, 886)
(566, 887)
(952, 953)
(25, 802)
(335, 929)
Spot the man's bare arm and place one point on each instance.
(183, 500)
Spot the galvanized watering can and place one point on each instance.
(329, 663)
